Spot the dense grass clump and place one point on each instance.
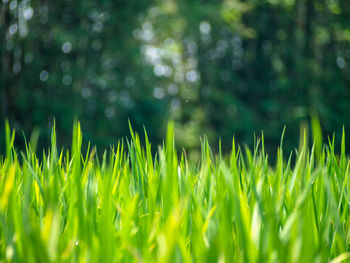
(131, 206)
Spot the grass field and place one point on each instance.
(132, 206)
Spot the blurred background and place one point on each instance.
(215, 67)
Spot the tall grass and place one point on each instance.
(131, 206)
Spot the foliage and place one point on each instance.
(130, 205)
(219, 67)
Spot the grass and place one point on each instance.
(132, 206)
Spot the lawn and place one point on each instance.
(131, 205)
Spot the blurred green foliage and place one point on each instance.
(219, 67)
